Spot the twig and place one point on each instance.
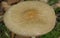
(12, 35)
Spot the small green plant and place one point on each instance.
(51, 2)
(4, 32)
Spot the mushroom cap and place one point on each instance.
(30, 18)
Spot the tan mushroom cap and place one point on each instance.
(30, 18)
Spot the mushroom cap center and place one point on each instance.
(30, 14)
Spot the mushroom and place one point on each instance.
(30, 18)
(5, 5)
(13, 1)
(44, 1)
